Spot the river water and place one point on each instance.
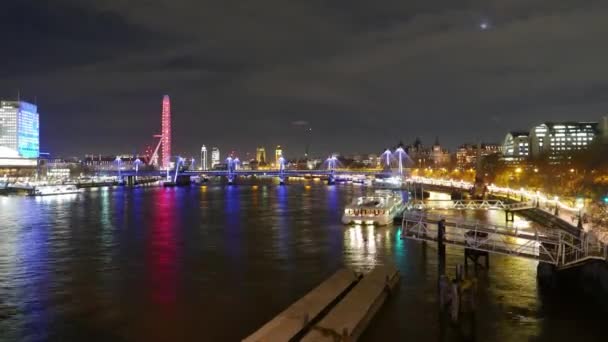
(214, 263)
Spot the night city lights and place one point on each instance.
(303, 171)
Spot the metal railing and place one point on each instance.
(468, 205)
(546, 245)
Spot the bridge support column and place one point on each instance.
(231, 179)
(130, 180)
(281, 180)
(182, 180)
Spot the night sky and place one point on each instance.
(362, 74)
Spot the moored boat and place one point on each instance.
(50, 190)
(378, 209)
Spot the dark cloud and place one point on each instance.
(241, 73)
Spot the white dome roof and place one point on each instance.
(6, 152)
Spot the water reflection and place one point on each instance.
(360, 246)
(162, 251)
(32, 281)
(215, 263)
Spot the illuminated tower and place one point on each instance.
(204, 158)
(261, 155)
(166, 133)
(215, 157)
(277, 154)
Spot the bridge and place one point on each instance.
(332, 175)
(232, 172)
(552, 246)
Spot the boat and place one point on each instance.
(388, 183)
(50, 190)
(379, 209)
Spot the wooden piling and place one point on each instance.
(441, 247)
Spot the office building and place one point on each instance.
(19, 128)
(554, 140)
(215, 157)
(204, 158)
(516, 146)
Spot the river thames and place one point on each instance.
(214, 263)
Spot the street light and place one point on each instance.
(580, 204)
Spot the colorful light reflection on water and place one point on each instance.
(215, 262)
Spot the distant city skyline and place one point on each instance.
(383, 71)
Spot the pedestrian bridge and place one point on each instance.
(469, 205)
(551, 246)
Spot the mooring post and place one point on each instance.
(441, 246)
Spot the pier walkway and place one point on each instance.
(339, 309)
(469, 205)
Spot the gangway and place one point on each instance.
(469, 205)
(551, 246)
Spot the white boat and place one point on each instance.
(379, 209)
(49, 190)
(388, 183)
(20, 186)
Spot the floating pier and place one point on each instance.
(339, 308)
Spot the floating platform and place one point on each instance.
(340, 307)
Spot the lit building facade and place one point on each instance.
(19, 128)
(418, 153)
(557, 139)
(98, 162)
(468, 155)
(260, 155)
(204, 158)
(215, 157)
(439, 155)
(516, 146)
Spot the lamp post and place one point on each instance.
(580, 204)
